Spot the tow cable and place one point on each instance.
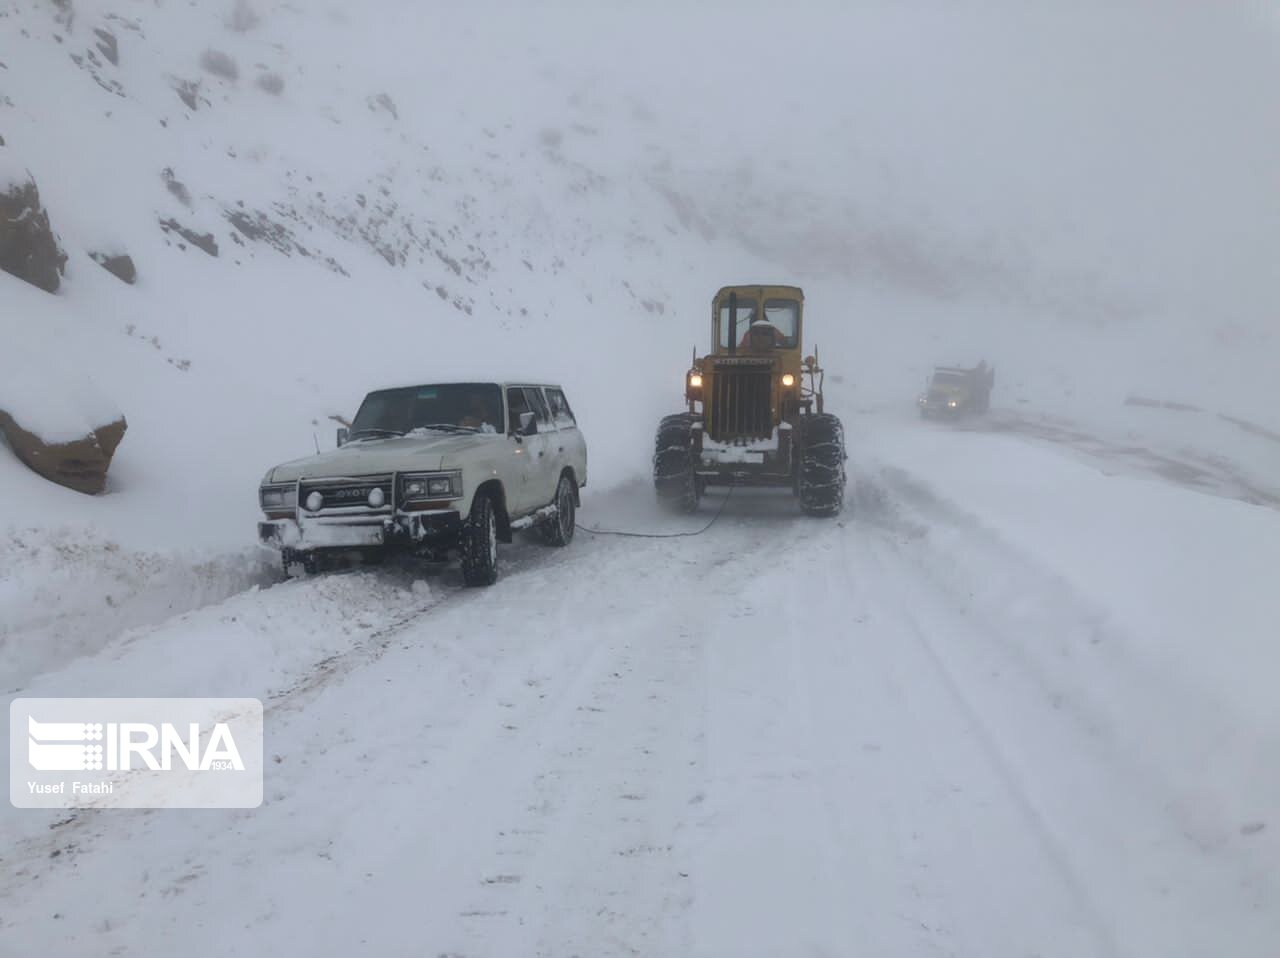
(664, 535)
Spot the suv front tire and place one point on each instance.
(480, 543)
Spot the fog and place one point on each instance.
(1022, 633)
(1120, 155)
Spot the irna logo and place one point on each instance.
(125, 746)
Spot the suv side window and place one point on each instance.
(561, 414)
(540, 407)
(516, 404)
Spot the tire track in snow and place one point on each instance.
(1111, 802)
(591, 847)
(1011, 778)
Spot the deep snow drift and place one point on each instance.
(1015, 701)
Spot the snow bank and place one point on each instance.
(46, 379)
(1139, 601)
(64, 595)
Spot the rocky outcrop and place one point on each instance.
(204, 241)
(80, 464)
(118, 265)
(108, 46)
(28, 247)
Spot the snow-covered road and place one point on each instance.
(897, 733)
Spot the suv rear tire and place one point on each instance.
(480, 544)
(558, 530)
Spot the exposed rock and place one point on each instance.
(120, 266)
(551, 139)
(66, 13)
(220, 65)
(188, 91)
(28, 247)
(272, 83)
(80, 465)
(259, 227)
(176, 186)
(93, 66)
(384, 102)
(107, 46)
(204, 241)
(243, 17)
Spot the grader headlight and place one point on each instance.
(788, 380)
(695, 380)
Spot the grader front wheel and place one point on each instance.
(822, 456)
(673, 477)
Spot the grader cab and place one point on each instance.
(755, 409)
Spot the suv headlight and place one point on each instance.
(280, 496)
(430, 486)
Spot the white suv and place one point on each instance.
(434, 469)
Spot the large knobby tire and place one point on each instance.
(480, 544)
(673, 477)
(558, 530)
(822, 456)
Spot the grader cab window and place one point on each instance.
(747, 313)
(777, 327)
(784, 316)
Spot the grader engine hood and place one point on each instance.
(739, 400)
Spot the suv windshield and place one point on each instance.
(447, 407)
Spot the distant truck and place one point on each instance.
(953, 391)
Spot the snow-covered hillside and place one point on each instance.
(1015, 702)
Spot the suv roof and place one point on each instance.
(504, 383)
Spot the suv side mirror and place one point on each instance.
(528, 424)
(343, 433)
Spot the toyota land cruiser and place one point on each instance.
(437, 470)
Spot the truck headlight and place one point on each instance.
(278, 497)
(952, 403)
(437, 486)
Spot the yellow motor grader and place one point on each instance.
(755, 414)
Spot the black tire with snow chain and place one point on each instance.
(480, 543)
(673, 476)
(821, 480)
(558, 530)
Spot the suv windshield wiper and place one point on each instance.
(445, 427)
(375, 431)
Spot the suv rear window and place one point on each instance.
(560, 411)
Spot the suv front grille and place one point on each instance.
(741, 402)
(347, 495)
